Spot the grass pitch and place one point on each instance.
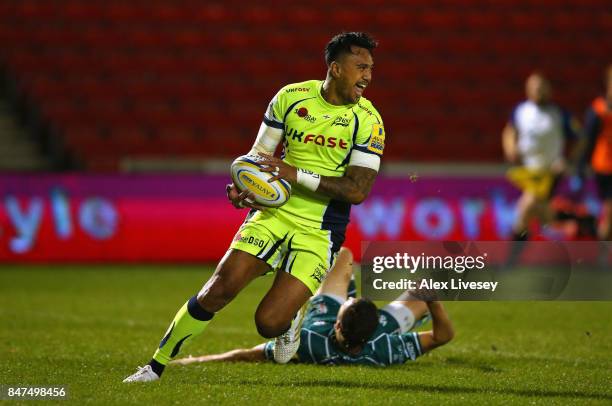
(89, 327)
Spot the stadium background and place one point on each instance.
(120, 118)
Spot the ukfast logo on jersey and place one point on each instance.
(322, 140)
(377, 139)
(317, 139)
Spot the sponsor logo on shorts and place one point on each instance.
(319, 273)
(258, 242)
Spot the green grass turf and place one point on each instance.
(89, 327)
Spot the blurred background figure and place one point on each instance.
(535, 139)
(598, 152)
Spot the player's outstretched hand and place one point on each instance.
(278, 168)
(241, 200)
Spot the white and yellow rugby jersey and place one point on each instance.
(325, 139)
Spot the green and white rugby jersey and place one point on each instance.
(387, 346)
(325, 139)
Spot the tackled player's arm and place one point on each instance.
(442, 331)
(254, 354)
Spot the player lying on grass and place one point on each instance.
(338, 330)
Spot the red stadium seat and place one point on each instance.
(193, 78)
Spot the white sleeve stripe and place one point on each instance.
(359, 158)
(268, 138)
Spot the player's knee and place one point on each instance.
(217, 293)
(270, 329)
(269, 325)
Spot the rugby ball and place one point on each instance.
(246, 175)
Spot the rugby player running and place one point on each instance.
(346, 331)
(333, 139)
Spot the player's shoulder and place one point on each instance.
(522, 106)
(365, 111)
(522, 111)
(300, 90)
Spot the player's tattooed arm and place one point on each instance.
(354, 187)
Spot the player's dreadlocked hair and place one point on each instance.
(341, 44)
(358, 322)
